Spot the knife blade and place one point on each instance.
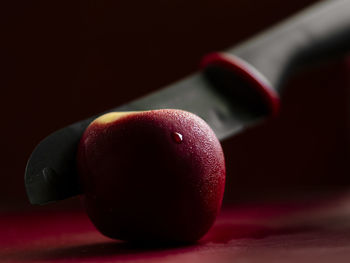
(234, 90)
(51, 166)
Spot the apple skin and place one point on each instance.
(155, 176)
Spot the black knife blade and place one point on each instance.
(51, 166)
(232, 91)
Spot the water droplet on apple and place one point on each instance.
(177, 137)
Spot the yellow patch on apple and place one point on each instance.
(111, 116)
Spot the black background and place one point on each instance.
(66, 60)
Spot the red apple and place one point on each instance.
(151, 176)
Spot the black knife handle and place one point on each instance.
(319, 32)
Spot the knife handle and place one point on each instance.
(317, 33)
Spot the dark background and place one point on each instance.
(63, 61)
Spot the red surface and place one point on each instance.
(313, 232)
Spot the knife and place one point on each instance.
(233, 90)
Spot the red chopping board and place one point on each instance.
(280, 232)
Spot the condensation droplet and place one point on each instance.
(177, 137)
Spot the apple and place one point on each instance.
(156, 175)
